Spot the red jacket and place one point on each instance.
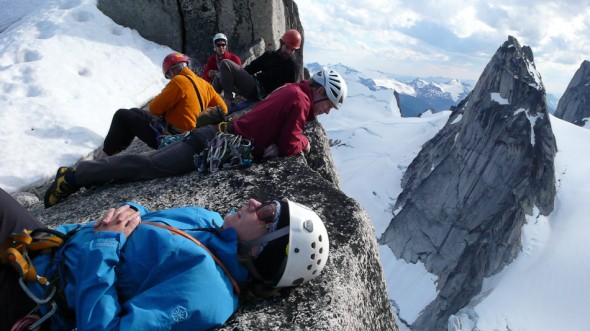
(215, 59)
(279, 119)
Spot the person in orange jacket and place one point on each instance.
(175, 110)
(211, 72)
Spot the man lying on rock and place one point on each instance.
(175, 269)
(274, 126)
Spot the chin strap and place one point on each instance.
(245, 247)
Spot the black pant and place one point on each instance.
(125, 126)
(14, 303)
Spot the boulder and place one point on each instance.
(188, 26)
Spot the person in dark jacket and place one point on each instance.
(175, 269)
(274, 126)
(264, 74)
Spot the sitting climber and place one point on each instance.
(132, 269)
(211, 72)
(264, 74)
(175, 110)
(275, 127)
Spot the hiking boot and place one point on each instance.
(61, 188)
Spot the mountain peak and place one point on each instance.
(466, 194)
(574, 105)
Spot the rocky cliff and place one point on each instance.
(349, 294)
(574, 105)
(466, 194)
(188, 25)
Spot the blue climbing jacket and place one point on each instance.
(153, 280)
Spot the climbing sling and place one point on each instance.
(225, 151)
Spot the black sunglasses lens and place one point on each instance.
(267, 211)
(220, 45)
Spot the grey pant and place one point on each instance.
(172, 160)
(234, 78)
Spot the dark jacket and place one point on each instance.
(272, 70)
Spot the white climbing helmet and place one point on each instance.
(335, 86)
(308, 248)
(219, 36)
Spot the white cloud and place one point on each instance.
(459, 36)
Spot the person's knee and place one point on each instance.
(226, 65)
(121, 115)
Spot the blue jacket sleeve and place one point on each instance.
(97, 302)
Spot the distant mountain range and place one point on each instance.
(416, 94)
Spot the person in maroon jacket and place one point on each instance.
(274, 126)
(211, 72)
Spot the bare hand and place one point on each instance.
(123, 219)
(271, 151)
(307, 148)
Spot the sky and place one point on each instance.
(65, 69)
(447, 38)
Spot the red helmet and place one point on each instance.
(172, 59)
(292, 38)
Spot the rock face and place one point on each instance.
(349, 294)
(574, 105)
(188, 25)
(466, 194)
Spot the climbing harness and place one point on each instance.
(17, 250)
(224, 151)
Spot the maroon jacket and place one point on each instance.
(279, 119)
(215, 59)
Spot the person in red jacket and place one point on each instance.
(274, 126)
(211, 72)
(177, 107)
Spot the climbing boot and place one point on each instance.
(61, 188)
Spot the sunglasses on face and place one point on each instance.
(267, 211)
(220, 45)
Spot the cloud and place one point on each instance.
(459, 36)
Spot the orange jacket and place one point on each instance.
(178, 101)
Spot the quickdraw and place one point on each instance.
(16, 251)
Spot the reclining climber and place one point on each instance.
(264, 74)
(184, 101)
(274, 126)
(139, 270)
